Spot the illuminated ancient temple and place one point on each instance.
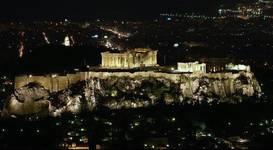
(139, 57)
(192, 67)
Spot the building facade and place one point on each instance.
(140, 57)
(191, 67)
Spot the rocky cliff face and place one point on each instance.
(123, 92)
(29, 100)
(127, 92)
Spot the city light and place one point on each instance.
(97, 75)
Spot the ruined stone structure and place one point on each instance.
(192, 67)
(239, 67)
(216, 64)
(140, 57)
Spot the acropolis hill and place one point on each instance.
(131, 79)
(188, 76)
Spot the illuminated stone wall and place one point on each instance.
(221, 83)
(53, 83)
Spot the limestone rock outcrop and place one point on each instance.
(129, 90)
(28, 100)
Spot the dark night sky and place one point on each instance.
(89, 9)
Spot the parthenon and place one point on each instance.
(139, 57)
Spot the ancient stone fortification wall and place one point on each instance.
(221, 83)
(53, 83)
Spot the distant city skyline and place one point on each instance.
(85, 10)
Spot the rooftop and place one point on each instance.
(137, 50)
